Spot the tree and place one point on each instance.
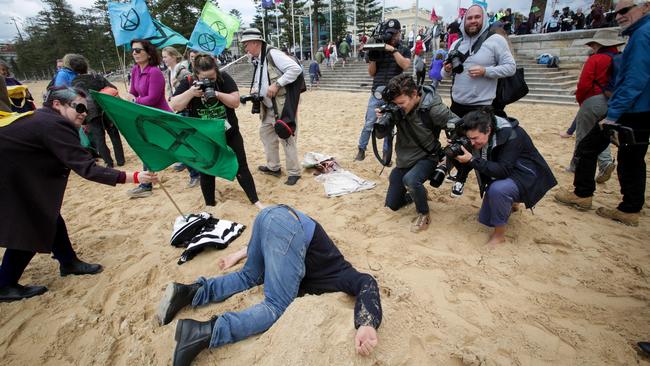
(237, 14)
(339, 20)
(368, 15)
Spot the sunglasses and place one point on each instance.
(79, 107)
(624, 11)
(138, 50)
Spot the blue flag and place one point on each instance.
(165, 36)
(481, 3)
(267, 4)
(130, 21)
(205, 39)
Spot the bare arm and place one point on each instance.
(231, 100)
(372, 68)
(233, 258)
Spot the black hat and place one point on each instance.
(393, 26)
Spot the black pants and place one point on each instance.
(244, 177)
(97, 128)
(420, 76)
(631, 167)
(15, 261)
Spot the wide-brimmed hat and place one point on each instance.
(606, 38)
(252, 34)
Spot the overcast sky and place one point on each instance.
(23, 9)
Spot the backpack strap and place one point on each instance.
(603, 89)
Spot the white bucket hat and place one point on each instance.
(252, 34)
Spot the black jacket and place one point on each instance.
(513, 155)
(37, 153)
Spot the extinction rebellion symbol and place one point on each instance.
(220, 28)
(207, 42)
(130, 20)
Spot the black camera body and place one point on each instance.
(381, 35)
(456, 59)
(209, 90)
(391, 115)
(619, 135)
(454, 148)
(256, 100)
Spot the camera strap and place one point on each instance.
(475, 47)
(412, 135)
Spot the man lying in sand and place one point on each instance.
(290, 254)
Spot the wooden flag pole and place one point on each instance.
(171, 199)
(123, 62)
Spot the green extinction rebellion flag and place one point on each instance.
(162, 138)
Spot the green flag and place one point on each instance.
(162, 138)
(224, 24)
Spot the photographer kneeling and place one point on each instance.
(509, 168)
(213, 94)
(419, 115)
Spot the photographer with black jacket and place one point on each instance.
(508, 167)
(419, 115)
(213, 94)
(383, 64)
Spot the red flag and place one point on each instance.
(278, 2)
(461, 12)
(434, 17)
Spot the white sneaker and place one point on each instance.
(457, 189)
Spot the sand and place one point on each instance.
(568, 287)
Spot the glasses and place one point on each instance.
(138, 50)
(624, 10)
(79, 107)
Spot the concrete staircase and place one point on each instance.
(552, 86)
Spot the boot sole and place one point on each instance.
(166, 301)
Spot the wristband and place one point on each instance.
(135, 177)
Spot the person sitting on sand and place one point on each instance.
(290, 254)
(508, 167)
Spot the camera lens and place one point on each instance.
(438, 176)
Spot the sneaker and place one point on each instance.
(292, 180)
(193, 182)
(361, 154)
(569, 198)
(139, 192)
(264, 169)
(604, 175)
(631, 219)
(457, 189)
(421, 223)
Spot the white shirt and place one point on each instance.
(288, 67)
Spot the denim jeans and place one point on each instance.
(371, 118)
(497, 202)
(402, 180)
(276, 258)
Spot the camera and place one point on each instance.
(256, 100)
(456, 59)
(209, 90)
(438, 175)
(381, 35)
(454, 148)
(619, 135)
(391, 114)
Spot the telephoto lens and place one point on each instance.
(438, 176)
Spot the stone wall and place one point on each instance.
(569, 46)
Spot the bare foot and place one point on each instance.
(260, 205)
(564, 135)
(515, 207)
(497, 237)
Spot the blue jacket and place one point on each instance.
(632, 89)
(64, 77)
(512, 154)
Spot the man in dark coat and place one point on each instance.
(37, 154)
(509, 168)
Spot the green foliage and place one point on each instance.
(368, 15)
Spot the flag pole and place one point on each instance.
(173, 202)
(331, 39)
(293, 31)
(117, 51)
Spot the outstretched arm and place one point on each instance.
(232, 258)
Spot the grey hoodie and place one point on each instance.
(494, 55)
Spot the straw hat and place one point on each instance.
(605, 38)
(252, 34)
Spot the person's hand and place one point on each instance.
(476, 71)
(232, 258)
(466, 157)
(130, 97)
(605, 122)
(273, 90)
(365, 340)
(195, 91)
(447, 66)
(148, 177)
(389, 48)
(378, 113)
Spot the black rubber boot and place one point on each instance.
(192, 337)
(361, 154)
(18, 292)
(79, 267)
(176, 297)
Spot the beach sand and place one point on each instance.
(568, 287)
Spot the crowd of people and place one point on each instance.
(289, 252)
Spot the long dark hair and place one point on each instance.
(154, 57)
